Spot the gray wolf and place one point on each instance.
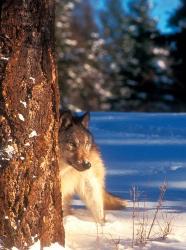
(82, 170)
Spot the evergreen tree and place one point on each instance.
(143, 72)
(118, 46)
(80, 51)
(178, 42)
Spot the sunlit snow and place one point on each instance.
(32, 134)
(21, 117)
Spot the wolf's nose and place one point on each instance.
(86, 164)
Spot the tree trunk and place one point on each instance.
(30, 199)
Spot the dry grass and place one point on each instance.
(163, 189)
(165, 226)
(142, 228)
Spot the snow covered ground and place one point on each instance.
(117, 233)
(142, 150)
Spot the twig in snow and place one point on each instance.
(163, 189)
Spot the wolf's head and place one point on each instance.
(75, 140)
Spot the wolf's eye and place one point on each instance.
(87, 146)
(71, 146)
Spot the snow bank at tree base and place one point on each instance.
(54, 246)
(36, 246)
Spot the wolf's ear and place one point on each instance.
(65, 119)
(85, 119)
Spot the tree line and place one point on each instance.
(117, 59)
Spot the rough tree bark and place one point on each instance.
(30, 200)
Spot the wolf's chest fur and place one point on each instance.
(89, 185)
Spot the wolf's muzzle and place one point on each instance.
(81, 165)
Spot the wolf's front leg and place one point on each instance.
(91, 192)
(66, 204)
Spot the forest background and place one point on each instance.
(122, 55)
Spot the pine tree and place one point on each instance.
(178, 41)
(118, 46)
(80, 53)
(142, 68)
